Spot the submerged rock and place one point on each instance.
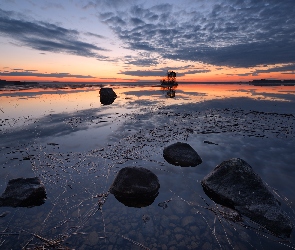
(23, 192)
(107, 96)
(234, 184)
(181, 154)
(135, 187)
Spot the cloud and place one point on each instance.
(48, 5)
(94, 35)
(35, 74)
(284, 69)
(186, 70)
(162, 72)
(45, 36)
(141, 60)
(106, 4)
(144, 73)
(245, 74)
(185, 67)
(225, 33)
(198, 71)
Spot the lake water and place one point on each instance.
(75, 145)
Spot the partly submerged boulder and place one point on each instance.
(181, 154)
(233, 183)
(135, 186)
(107, 96)
(23, 192)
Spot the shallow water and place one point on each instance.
(76, 146)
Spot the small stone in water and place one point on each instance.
(4, 214)
(163, 205)
(145, 218)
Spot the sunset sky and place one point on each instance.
(136, 40)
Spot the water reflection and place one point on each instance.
(170, 90)
(96, 141)
(141, 201)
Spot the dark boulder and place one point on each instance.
(181, 154)
(135, 187)
(107, 96)
(234, 184)
(22, 192)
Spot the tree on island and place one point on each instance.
(170, 79)
(169, 83)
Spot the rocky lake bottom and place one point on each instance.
(76, 146)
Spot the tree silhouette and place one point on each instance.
(170, 79)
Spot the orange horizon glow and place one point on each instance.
(61, 80)
(89, 96)
(214, 75)
(196, 79)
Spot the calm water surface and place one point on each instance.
(76, 146)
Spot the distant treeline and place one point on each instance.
(273, 82)
(4, 82)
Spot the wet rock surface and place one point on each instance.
(107, 96)
(181, 154)
(233, 183)
(23, 192)
(135, 186)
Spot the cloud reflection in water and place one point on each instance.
(94, 142)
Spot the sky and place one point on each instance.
(136, 40)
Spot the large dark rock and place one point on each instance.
(135, 187)
(107, 96)
(181, 154)
(233, 183)
(22, 192)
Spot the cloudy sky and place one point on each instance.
(136, 40)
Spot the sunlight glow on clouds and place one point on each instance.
(26, 73)
(139, 38)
